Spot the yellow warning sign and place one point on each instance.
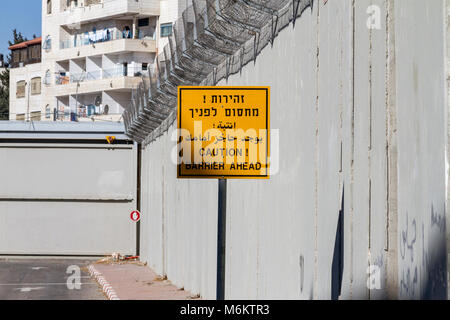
(224, 132)
(110, 139)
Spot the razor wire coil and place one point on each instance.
(212, 40)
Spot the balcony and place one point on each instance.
(102, 36)
(79, 49)
(116, 72)
(98, 80)
(107, 9)
(85, 113)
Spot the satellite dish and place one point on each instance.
(98, 101)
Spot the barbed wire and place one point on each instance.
(59, 120)
(20, 113)
(109, 114)
(212, 40)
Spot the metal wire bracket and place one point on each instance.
(274, 29)
(255, 46)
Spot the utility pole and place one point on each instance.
(221, 240)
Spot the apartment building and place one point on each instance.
(2, 69)
(25, 78)
(94, 52)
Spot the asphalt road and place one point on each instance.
(47, 279)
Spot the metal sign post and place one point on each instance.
(224, 133)
(221, 239)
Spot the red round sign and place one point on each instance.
(135, 216)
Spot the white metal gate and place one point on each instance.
(64, 190)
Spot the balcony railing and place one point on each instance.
(89, 110)
(116, 72)
(66, 113)
(90, 38)
(94, 75)
(101, 3)
(113, 73)
(68, 6)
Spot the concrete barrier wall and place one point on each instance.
(421, 102)
(357, 205)
(447, 5)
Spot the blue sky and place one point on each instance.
(23, 15)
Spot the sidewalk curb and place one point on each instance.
(107, 289)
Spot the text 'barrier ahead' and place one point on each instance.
(224, 132)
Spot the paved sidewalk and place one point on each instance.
(134, 281)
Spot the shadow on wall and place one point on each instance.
(422, 258)
(435, 283)
(424, 278)
(337, 266)
(435, 259)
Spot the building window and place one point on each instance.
(145, 22)
(16, 56)
(35, 52)
(23, 55)
(36, 86)
(35, 116)
(20, 89)
(144, 66)
(49, 6)
(166, 29)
